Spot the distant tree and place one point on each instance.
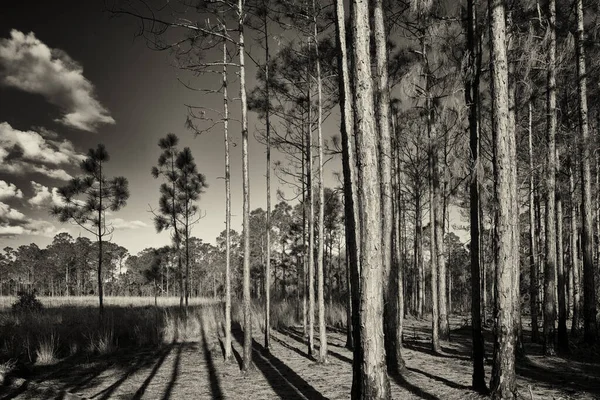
(169, 207)
(190, 185)
(99, 195)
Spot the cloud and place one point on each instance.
(13, 223)
(119, 223)
(43, 196)
(9, 215)
(29, 151)
(26, 63)
(9, 190)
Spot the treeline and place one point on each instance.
(68, 266)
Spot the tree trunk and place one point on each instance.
(533, 254)
(550, 246)
(382, 116)
(320, 224)
(503, 382)
(587, 239)
(419, 267)
(247, 358)
(563, 339)
(472, 102)
(268, 228)
(311, 223)
(574, 257)
(350, 206)
(433, 203)
(373, 383)
(227, 210)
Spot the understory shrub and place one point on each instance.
(27, 302)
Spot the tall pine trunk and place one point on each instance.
(550, 243)
(227, 210)
(472, 102)
(321, 211)
(268, 222)
(247, 357)
(587, 238)
(373, 381)
(382, 115)
(503, 382)
(311, 223)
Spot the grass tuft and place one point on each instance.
(46, 353)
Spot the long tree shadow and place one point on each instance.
(292, 348)
(284, 380)
(215, 385)
(138, 363)
(440, 379)
(425, 347)
(174, 374)
(296, 335)
(417, 391)
(140, 392)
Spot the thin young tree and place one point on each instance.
(101, 195)
(247, 359)
(321, 189)
(503, 382)
(227, 208)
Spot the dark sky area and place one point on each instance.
(72, 76)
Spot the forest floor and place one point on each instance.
(196, 370)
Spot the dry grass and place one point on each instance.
(47, 350)
(116, 301)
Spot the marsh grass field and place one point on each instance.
(143, 351)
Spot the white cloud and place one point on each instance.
(9, 190)
(9, 215)
(43, 196)
(119, 223)
(13, 223)
(28, 151)
(30, 65)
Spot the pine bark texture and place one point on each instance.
(374, 383)
(503, 382)
(382, 111)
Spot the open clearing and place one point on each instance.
(195, 369)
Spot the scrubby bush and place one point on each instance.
(27, 302)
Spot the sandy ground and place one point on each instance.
(196, 370)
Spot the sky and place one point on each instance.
(72, 76)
